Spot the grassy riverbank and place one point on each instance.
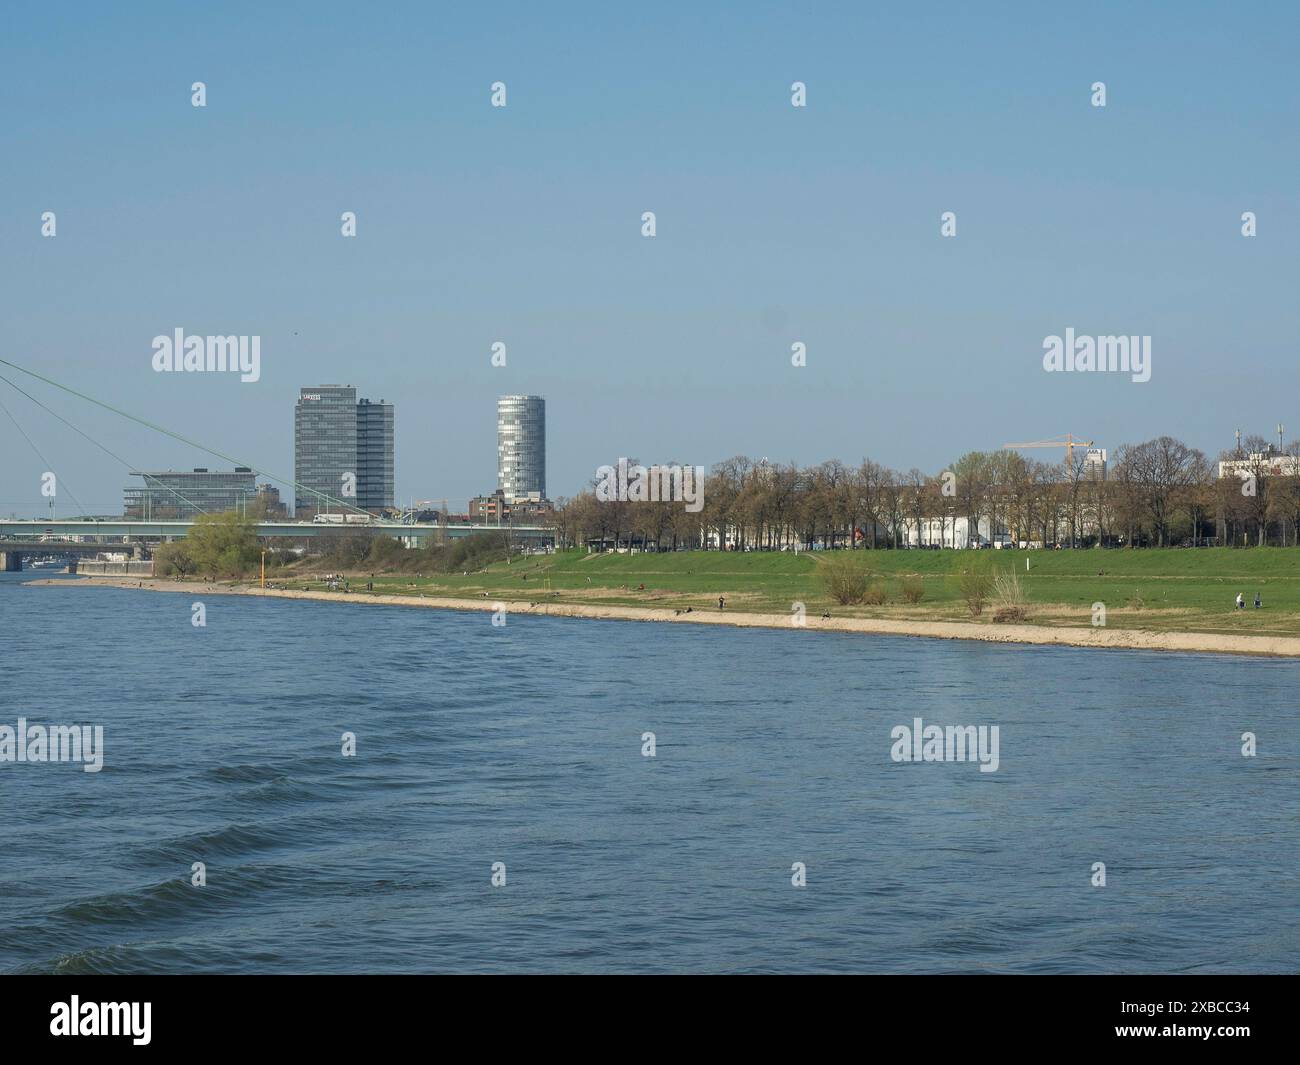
(1171, 590)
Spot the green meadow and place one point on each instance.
(1173, 589)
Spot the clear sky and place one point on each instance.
(522, 224)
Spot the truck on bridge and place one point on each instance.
(343, 519)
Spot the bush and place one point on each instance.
(875, 594)
(476, 551)
(218, 545)
(844, 578)
(342, 547)
(912, 589)
(386, 553)
(1009, 594)
(279, 557)
(173, 560)
(975, 582)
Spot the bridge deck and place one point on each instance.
(25, 532)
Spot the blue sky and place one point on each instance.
(775, 225)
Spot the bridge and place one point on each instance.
(36, 537)
(12, 552)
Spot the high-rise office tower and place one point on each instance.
(374, 455)
(324, 447)
(1094, 464)
(521, 447)
(341, 446)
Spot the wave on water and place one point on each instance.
(239, 839)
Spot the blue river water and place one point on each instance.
(523, 745)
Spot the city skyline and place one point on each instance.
(382, 461)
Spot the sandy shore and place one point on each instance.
(1136, 639)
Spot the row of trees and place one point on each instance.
(1160, 492)
(226, 545)
(362, 549)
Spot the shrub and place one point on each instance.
(342, 547)
(386, 553)
(279, 557)
(875, 594)
(975, 583)
(912, 589)
(173, 560)
(844, 578)
(1009, 594)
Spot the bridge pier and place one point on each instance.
(10, 561)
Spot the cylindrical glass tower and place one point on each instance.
(521, 447)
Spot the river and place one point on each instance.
(523, 745)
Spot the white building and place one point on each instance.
(953, 532)
(1270, 464)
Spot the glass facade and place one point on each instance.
(175, 495)
(336, 437)
(324, 447)
(374, 455)
(521, 447)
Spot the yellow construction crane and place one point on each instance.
(1069, 442)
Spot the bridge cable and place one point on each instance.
(48, 465)
(130, 467)
(184, 439)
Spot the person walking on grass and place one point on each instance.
(1241, 601)
(722, 603)
(1258, 602)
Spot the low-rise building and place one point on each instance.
(955, 531)
(176, 495)
(494, 509)
(1266, 463)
